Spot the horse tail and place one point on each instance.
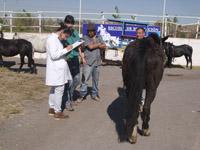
(31, 62)
(190, 55)
(135, 83)
(191, 49)
(137, 78)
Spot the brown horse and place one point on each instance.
(142, 69)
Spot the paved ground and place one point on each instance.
(175, 119)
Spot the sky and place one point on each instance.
(151, 7)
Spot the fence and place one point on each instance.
(46, 21)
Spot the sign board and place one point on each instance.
(113, 32)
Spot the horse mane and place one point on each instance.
(155, 38)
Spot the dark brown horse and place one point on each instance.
(173, 51)
(10, 48)
(142, 69)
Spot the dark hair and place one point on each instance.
(64, 28)
(69, 19)
(91, 27)
(140, 28)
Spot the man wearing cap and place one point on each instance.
(93, 46)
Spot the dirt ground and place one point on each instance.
(175, 117)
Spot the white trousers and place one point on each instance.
(55, 97)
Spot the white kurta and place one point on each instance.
(57, 69)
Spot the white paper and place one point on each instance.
(76, 44)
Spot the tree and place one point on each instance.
(133, 18)
(24, 24)
(116, 15)
(175, 20)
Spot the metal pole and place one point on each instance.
(197, 31)
(163, 19)
(4, 7)
(102, 17)
(79, 30)
(40, 22)
(176, 30)
(11, 17)
(165, 27)
(4, 11)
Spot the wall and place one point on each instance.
(38, 41)
(195, 43)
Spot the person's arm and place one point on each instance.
(82, 55)
(54, 52)
(102, 45)
(93, 46)
(90, 45)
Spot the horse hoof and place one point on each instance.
(132, 139)
(146, 132)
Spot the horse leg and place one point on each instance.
(186, 61)
(131, 128)
(131, 124)
(31, 65)
(190, 59)
(1, 60)
(169, 61)
(145, 115)
(22, 62)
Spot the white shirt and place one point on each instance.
(57, 70)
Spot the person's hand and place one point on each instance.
(102, 46)
(69, 47)
(84, 61)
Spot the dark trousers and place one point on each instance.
(65, 96)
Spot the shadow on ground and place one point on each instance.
(175, 66)
(116, 113)
(111, 63)
(7, 64)
(40, 65)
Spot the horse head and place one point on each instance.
(168, 48)
(155, 41)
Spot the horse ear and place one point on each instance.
(165, 38)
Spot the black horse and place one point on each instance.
(142, 68)
(10, 48)
(172, 51)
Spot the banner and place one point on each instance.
(111, 33)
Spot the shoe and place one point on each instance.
(51, 111)
(96, 98)
(140, 108)
(80, 100)
(74, 103)
(69, 107)
(60, 115)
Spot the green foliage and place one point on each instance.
(175, 20)
(133, 17)
(1, 21)
(116, 15)
(23, 24)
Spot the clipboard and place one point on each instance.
(76, 44)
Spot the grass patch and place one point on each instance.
(16, 88)
(196, 67)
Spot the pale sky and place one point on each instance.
(153, 7)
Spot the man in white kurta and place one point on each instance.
(57, 71)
